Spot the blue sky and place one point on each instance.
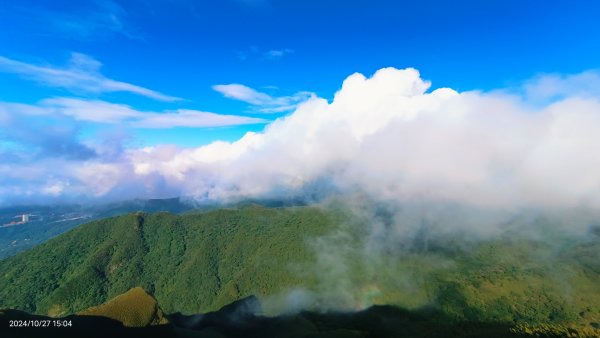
(74, 74)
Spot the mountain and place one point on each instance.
(45, 222)
(136, 314)
(306, 258)
(192, 263)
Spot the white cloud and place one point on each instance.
(81, 75)
(264, 103)
(386, 135)
(243, 93)
(194, 118)
(389, 137)
(259, 54)
(98, 111)
(90, 110)
(276, 54)
(551, 87)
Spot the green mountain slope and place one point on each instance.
(304, 257)
(191, 263)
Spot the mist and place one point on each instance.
(402, 252)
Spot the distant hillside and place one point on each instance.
(50, 221)
(303, 257)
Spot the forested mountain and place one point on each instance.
(304, 258)
(192, 263)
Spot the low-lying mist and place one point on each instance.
(408, 252)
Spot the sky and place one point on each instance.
(108, 99)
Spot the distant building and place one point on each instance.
(24, 219)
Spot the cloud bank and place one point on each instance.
(388, 136)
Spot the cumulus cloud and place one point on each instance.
(82, 74)
(391, 137)
(264, 103)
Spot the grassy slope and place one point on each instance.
(134, 308)
(200, 262)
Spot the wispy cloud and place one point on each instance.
(81, 20)
(263, 102)
(194, 118)
(551, 87)
(101, 17)
(243, 93)
(90, 110)
(97, 111)
(276, 54)
(258, 54)
(30, 132)
(82, 74)
(44, 147)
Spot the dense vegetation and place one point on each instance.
(191, 263)
(310, 256)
